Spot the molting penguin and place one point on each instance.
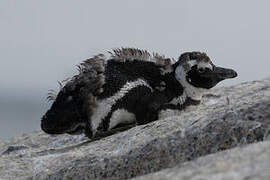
(129, 87)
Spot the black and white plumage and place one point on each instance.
(128, 87)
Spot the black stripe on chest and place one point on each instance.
(128, 102)
(117, 74)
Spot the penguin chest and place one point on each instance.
(120, 108)
(121, 116)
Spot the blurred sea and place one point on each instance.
(20, 116)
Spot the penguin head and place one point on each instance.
(65, 114)
(76, 100)
(195, 71)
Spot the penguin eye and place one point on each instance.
(201, 70)
(69, 98)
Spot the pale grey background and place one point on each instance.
(42, 41)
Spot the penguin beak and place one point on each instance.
(223, 73)
(218, 74)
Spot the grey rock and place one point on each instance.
(227, 118)
(240, 163)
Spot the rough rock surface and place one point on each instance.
(229, 117)
(240, 163)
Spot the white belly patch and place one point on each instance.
(121, 116)
(104, 106)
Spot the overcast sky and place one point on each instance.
(42, 41)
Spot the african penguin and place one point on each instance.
(129, 87)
